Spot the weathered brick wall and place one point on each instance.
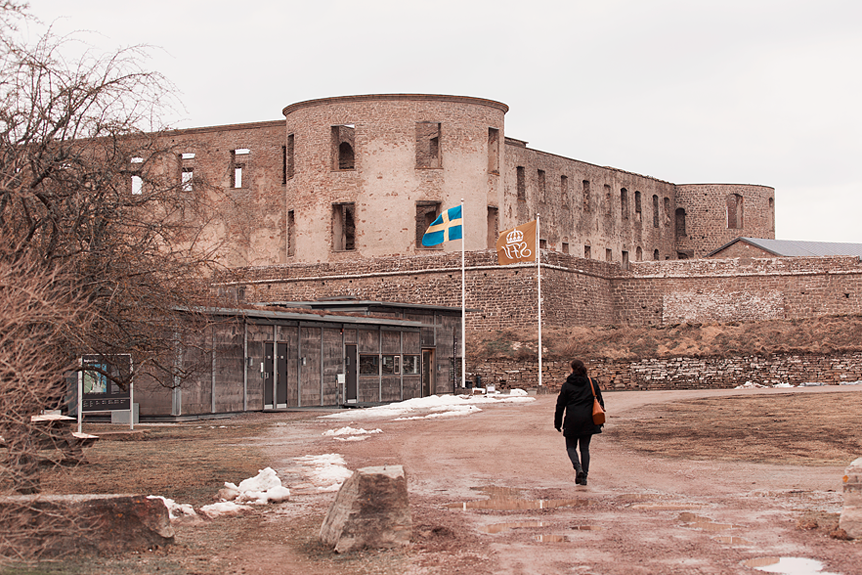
(577, 291)
(706, 215)
(249, 222)
(678, 372)
(706, 290)
(600, 220)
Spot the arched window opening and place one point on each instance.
(345, 156)
(734, 212)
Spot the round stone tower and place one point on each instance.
(366, 175)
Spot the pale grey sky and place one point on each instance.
(737, 91)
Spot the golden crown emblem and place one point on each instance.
(515, 236)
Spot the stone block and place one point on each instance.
(59, 525)
(851, 515)
(371, 510)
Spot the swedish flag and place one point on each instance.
(446, 227)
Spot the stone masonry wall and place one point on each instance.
(678, 372)
(577, 291)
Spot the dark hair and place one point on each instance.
(578, 368)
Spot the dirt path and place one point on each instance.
(641, 514)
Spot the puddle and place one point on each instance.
(705, 523)
(788, 565)
(733, 540)
(499, 527)
(551, 538)
(495, 492)
(518, 504)
(669, 507)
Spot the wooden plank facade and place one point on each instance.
(318, 354)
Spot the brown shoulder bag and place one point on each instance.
(598, 411)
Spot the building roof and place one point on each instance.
(797, 248)
(296, 315)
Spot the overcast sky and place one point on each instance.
(694, 91)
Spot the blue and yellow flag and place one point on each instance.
(446, 227)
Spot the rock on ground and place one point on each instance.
(370, 510)
(57, 525)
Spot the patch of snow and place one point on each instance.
(350, 431)
(352, 438)
(811, 384)
(327, 472)
(263, 488)
(517, 391)
(175, 510)
(414, 408)
(223, 508)
(783, 385)
(749, 385)
(851, 382)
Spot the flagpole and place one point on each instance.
(539, 276)
(463, 304)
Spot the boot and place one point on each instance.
(581, 478)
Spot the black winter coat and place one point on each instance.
(576, 400)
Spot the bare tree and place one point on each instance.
(96, 227)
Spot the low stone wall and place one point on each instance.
(678, 372)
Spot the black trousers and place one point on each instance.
(582, 464)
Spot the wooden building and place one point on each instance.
(309, 354)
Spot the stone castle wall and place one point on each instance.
(577, 291)
(677, 372)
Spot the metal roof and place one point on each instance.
(796, 248)
(272, 315)
(345, 304)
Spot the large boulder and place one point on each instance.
(57, 525)
(371, 510)
(851, 516)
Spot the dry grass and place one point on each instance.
(811, 429)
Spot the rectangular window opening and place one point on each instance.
(586, 194)
(187, 179)
(237, 167)
(655, 211)
(588, 252)
(291, 233)
(608, 207)
(521, 183)
(624, 203)
(609, 255)
(540, 176)
(343, 227)
(565, 247)
(494, 150)
(637, 203)
(428, 140)
(667, 211)
(564, 191)
(290, 153)
(426, 213)
(137, 185)
(493, 226)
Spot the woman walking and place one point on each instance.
(576, 400)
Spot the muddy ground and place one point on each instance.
(682, 482)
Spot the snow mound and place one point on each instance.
(811, 384)
(783, 385)
(175, 510)
(326, 472)
(432, 406)
(851, 382)
(228, 508)
(349, 431)
(749, 385)
(263, 488)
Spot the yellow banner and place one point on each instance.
(517, 244)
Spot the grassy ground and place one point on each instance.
(189, 463)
